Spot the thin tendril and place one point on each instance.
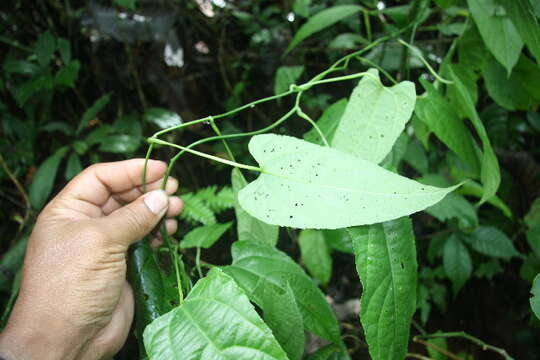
(424, 61)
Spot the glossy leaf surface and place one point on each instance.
(492, 242)
(499, 33)
(374, 118)
(522, 15)
(257, 266)
(322, 20)
(490, 173)
(283, 317)
(386, 263)
(216, 321)
(299, 179)
(441, 118)
(204, 236)
(43, 181)
(249, 227)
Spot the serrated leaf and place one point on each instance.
(535, 299)
(522, 15)
(457, 262)
(216, 321)
(315, 254)
(73, 166)
(93, 110)
(499, 33)
(520, 90)
(322, 20)
(327, 123)
(286, 76)
(490, 241)
(299, 178)
(385, 257)
(455, 206)
(204, 236)
(44, 48)
(489, 173)
(195, 210)
(440, 117)
(283, 317)
(257, 265)
(163, 118)
(374, 118)
(43, 181)
(248, 227)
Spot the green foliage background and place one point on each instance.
(87, 82)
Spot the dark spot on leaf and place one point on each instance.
(403, 266)
(290, 216)
(145, 296)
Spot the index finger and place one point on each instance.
(98, 182)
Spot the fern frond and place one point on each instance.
(196, 210)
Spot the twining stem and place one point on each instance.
(475, 340)
(424, 61)
(178, 278)
(437, 348)
(198, 261)
(218, 133)
(205, 155)
(229, 136)
(305, 116)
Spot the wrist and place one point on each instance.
(36, 342)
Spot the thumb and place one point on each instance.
(132, 222)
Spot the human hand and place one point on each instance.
(75, 302)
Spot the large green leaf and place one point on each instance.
(248, 227)
(440, 117)
(497, 30)
(93, 111)
(43, 181)
(327, 123)
(204, 236)
(216, 321)
(299, 179)
(457, 262)
(73, 166)
(322, 20)
(472, 188)
(535, 300)
(257, 266)
(286, 76)
(315, 254)
(283, 316)
(386, 263)
(492, 242)
(520, 91)
(490, 173)
(374, 118)
(523, 18)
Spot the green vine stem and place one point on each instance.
(464, 335)
(424, 61)
(205, 155)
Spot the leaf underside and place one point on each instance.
(304, 185)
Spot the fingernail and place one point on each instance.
(156, 201)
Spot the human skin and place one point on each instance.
(74, 301)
